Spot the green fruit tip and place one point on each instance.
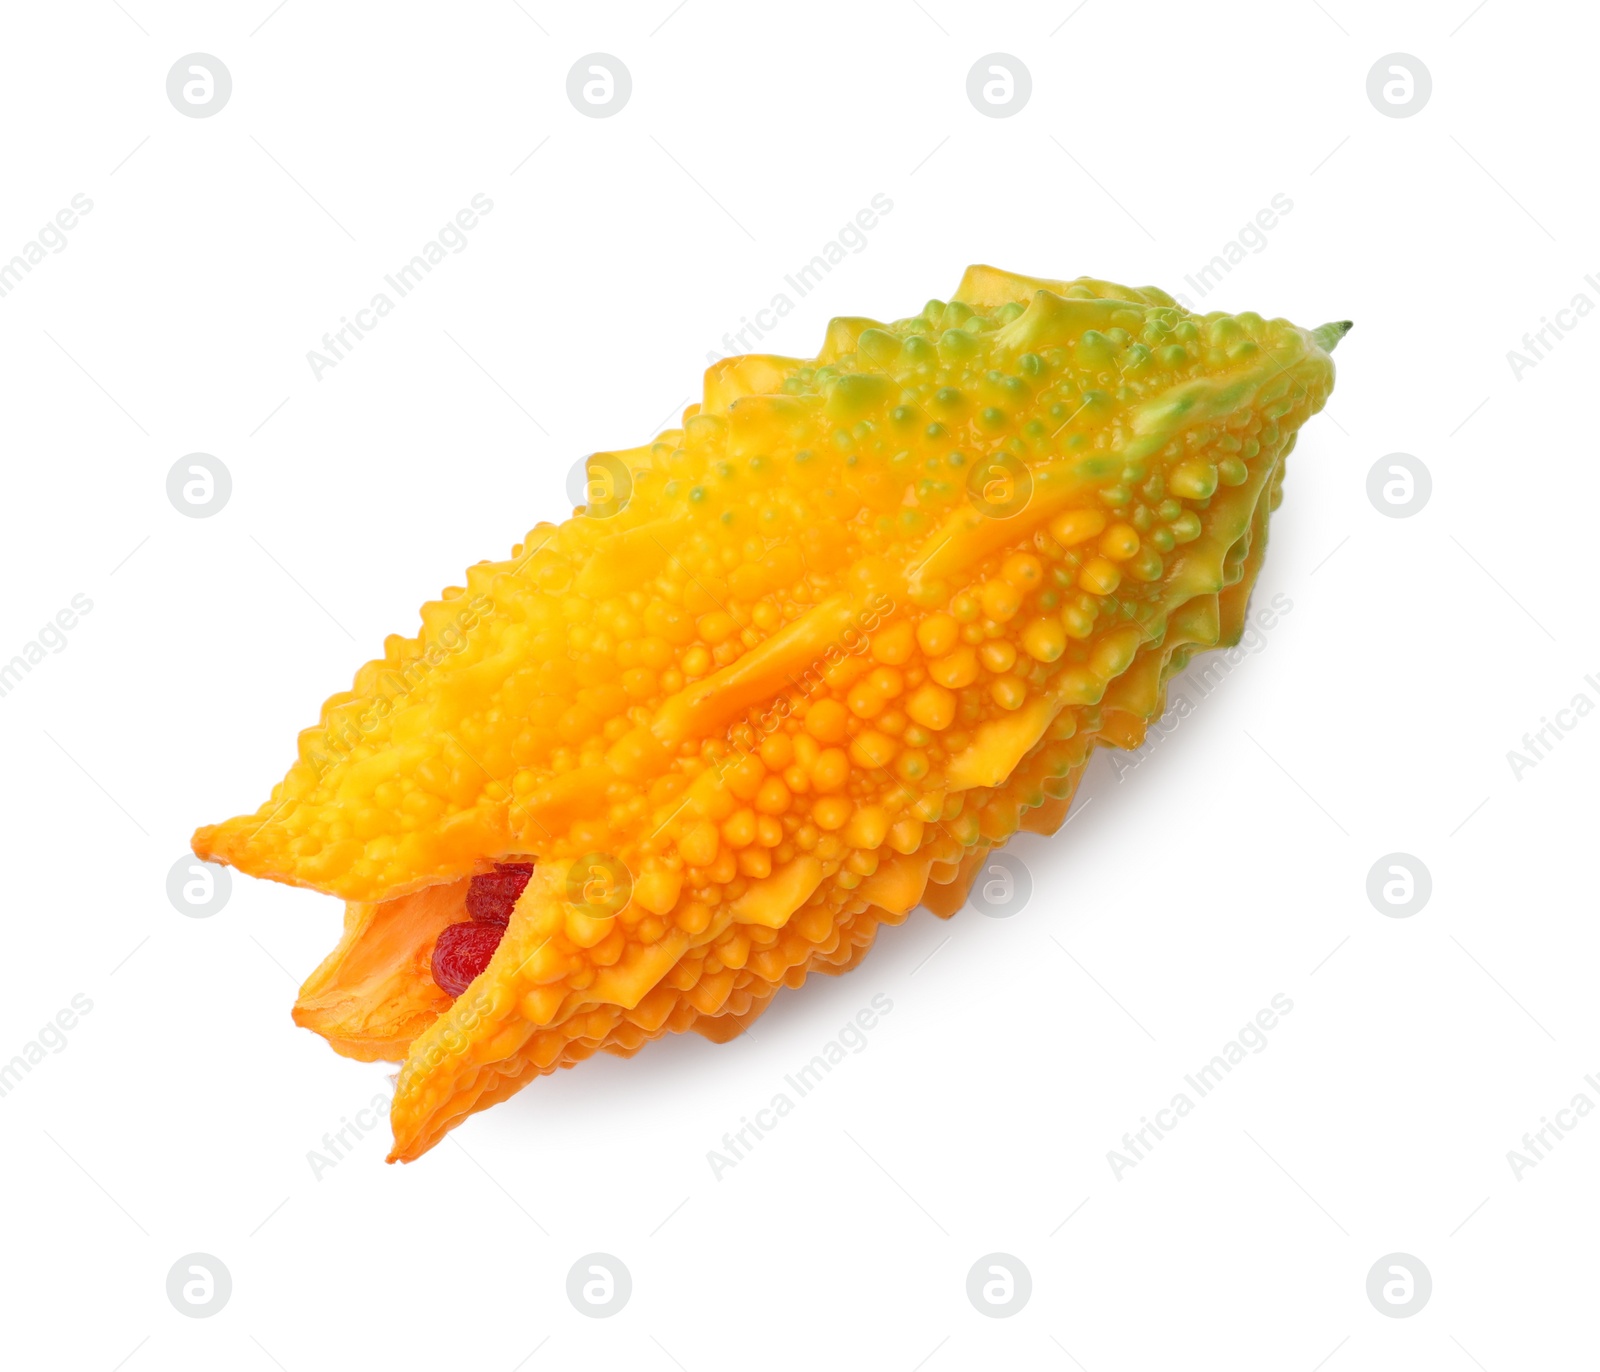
(1328, 336)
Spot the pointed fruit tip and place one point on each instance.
(1328, 336)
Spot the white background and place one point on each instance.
(1228, 867)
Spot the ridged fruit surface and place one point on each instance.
(795, 669)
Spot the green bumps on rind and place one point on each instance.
(805, 677)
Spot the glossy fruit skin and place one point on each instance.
(797, 667)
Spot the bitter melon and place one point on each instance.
(793, 669)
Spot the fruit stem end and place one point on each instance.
(1328, 336)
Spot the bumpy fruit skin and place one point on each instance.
(796, 668)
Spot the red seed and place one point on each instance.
(462, 952)
(491, 896)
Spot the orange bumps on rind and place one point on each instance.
(797, 667)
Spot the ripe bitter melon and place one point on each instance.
(795, 668)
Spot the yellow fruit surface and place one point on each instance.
(795, 669)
